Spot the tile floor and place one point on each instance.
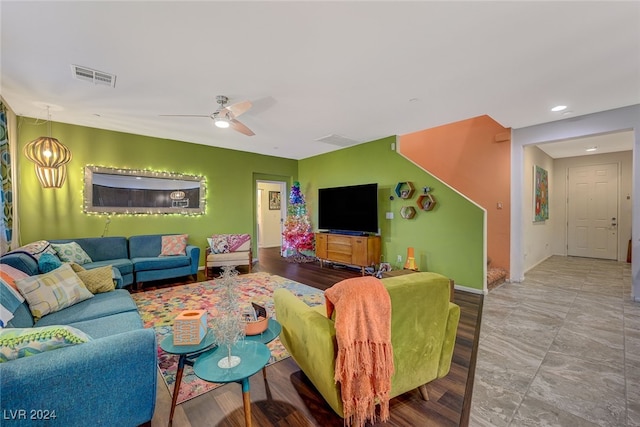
(562, 348)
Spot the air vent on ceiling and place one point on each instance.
(94, 76)
(339, 140)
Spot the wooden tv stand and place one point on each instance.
(361, 251)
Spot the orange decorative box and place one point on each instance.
(190, 327)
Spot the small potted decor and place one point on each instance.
(256, 320)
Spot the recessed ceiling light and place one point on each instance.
(591, 149)
(559, 108)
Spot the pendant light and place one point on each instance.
(51, 177)
(50, 157)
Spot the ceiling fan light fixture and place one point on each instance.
(221, 122)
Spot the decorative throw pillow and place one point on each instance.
(10, 298)
(37, 249)
(219, 244)
(53, 291)
(98, 280)
(11, 274)
(71, 252)
(77, 267)
(23, 342)
(48, 262)
(174, 245)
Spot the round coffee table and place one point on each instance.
(253, 357)
(186, 352)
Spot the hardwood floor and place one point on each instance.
(287, 398)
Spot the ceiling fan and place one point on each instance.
(225, 116)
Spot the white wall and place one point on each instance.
(538, 236)
(625, 170)
(269, 225)
(626, 118)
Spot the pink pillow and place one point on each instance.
(174, 245)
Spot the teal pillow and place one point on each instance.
(48, 262)
(71, 252)
(22, 342)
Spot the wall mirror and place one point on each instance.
(126, 191)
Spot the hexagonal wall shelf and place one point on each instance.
(426, 202)
(405, 190)
(407, 212)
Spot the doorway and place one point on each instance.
(592, 211)
(271, 201)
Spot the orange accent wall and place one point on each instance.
(474, 157)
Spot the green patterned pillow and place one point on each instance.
(53, 291)
(23, 342)
(71, 252)
(98, 280)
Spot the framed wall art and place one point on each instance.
(274, 200)
(540, 194)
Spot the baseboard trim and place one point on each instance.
(470, 290)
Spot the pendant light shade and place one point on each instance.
(47, 152)
(51, 177)
(177, 195)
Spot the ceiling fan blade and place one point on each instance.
(184, 115)
(239, 108)
(236, 125)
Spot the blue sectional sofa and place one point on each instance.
(110, 380)
(136, 259)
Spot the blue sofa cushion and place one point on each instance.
(161, 263)
(22, 317)
(145, 246)
(101, 248)
(110, 325)
(123, 264)
(108, 303)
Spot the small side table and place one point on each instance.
(186, 352)
(253, 357)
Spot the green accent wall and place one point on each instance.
(447, 240)
(58, 213)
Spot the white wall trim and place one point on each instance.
(472, 290)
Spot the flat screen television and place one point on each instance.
(352, 209)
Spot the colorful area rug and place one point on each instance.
(159, 307)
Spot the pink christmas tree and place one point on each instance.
(298, 233)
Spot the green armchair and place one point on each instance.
(423, 333)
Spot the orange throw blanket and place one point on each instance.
(364, 365)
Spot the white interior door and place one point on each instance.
(592, 209)
(271, 206)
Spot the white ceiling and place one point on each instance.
(361, 70)
(608, 143)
